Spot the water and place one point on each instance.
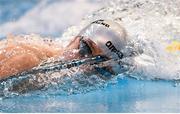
(46, 17)
(127, 95)
(151, 26)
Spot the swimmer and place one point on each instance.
(101, 37)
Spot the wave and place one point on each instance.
(46, 17)
(150, 26)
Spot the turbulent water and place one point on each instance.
(150, 26)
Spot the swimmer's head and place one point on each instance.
(108, 35)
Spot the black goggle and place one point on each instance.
(85, 49)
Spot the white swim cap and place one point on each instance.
(108, 35)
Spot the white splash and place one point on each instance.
(50, 17)
(151, 25)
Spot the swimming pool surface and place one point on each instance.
(127, 95)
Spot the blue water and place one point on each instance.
(127, 95)
(122, 95)
(10, 12)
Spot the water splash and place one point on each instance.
(150, 25)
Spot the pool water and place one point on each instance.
(126, 95)
(156, 86)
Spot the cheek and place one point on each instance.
(96, 50)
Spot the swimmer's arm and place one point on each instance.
(18, 58)
(17, 64)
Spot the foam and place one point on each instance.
(151, 26)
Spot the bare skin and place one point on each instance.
(19, 56)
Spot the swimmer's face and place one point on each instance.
(75, 44)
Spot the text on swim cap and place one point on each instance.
(114, 49)
(101, 22)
